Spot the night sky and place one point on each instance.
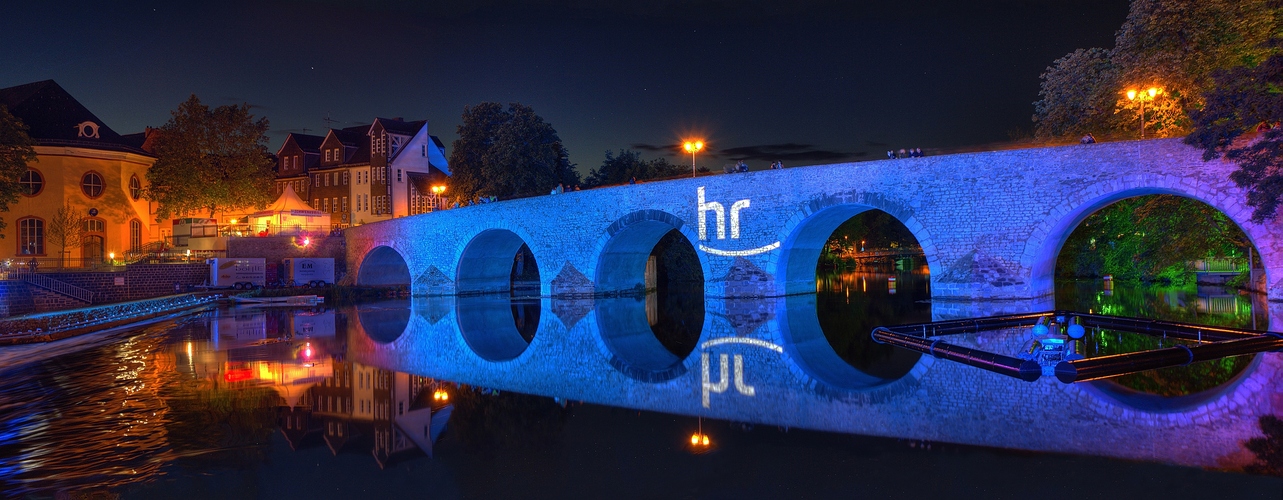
(805, 82)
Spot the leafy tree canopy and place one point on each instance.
(16, 152)
(629, 165)
(1149, 238)
(1242, 100)
(1175, 45)
(210, 160)
(507, 153)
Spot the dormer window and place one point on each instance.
(327, 155)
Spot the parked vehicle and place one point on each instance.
(309, 272)
(240, 274)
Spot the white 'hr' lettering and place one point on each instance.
(720, 213)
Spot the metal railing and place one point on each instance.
(250, 231)
(54, 263)
(53, 285)
(1219, 266)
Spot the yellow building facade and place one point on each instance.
(103, 188)
(84, 165)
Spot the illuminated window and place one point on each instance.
(326, 203)
(31, 236)
(135, 187)
(344, 204)
(135, 234)
(32, 182)
(91, 184)
(327, 155)
(95, 226)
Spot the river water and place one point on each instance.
(241, 403)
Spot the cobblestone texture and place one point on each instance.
(990, 223)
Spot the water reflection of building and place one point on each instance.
(287, 350)
(363, 406)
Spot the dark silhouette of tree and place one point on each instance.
(619, 169)
(210, 159)
(1078, 94)
(1269, 448)
(1243, 100)
(16, 152)
(507, 153)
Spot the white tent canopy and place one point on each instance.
(289, 215)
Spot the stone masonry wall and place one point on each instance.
(132, 282)
(990, 224)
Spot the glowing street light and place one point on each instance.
(1142, 96)
(436, 191)
(692, 148)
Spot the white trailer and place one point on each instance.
(309, 272)
(237, 273)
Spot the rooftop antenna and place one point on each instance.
(329, 123)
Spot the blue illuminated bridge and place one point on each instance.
(990, 226)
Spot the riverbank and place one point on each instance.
(56, 325)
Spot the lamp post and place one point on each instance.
(436, 192)
(1142, 96)
(692, 148)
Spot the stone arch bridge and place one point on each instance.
(991, 224)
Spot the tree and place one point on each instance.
(66, 229)
(15, 153)
(1078, 94)
(1268, 448)
(1175, 45)
(629, 165)
(1242, 100)
(1149, 238)
(210, 159)
(507, 153)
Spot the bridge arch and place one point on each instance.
(486, 263)
(622, 256)
(630, 326)
(384, 266)
(1048, 238)
(809, 230)
(384, 322)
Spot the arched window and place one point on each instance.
(31, 236)
(135, 188)
(95, 226)
(91, 184)
(135, 234)
(32, 182)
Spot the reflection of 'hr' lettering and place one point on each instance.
(723, 380)
(720, 211)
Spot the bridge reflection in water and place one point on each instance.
(771, 361)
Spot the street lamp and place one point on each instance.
(692, 148)
(1142, 96)
(436, 191)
